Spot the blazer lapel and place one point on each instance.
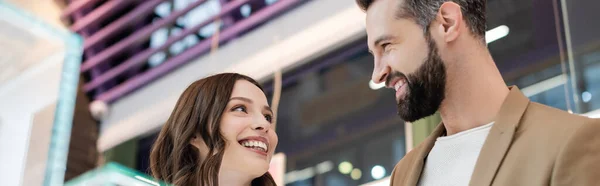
(500, 137)
(417, 166)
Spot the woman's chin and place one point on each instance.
(258, 170)
(262, 169)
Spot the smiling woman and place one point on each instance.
(220, 133)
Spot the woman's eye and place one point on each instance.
(269, 118)
(239, 109)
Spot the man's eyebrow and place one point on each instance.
(381, 39)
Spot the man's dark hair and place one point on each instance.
(424, 11)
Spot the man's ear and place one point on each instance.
(450, 21)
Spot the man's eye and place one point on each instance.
(384, 46)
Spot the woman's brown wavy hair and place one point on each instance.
(198, 111)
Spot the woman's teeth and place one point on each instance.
(255, 144)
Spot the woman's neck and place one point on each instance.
(234, 178)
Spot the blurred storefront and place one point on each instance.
(550, 51)
(547, 48)
(335, 127)
(338, 129)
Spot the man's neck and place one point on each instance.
(474, 94)
(234, 178)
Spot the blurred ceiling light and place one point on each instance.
(496, 33)
(586, 96)
(324, 167)
(544, 85)
(377, 172)
(270, 1)
(356, 174)
(309, 172)
(345, 167)
(298, 175)
(245, 10)
(376, 86)
(382, 182)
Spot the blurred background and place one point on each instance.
(85, 85)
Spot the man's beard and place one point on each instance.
(425, 89)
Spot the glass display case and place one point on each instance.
(113, 174)
(30, 47)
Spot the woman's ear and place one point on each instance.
(196, 141)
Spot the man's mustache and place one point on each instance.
(394, 75)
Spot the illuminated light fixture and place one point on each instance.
(377, 172)
(309, 172)
(298, 175)
(544, 85)
(324, 167)
(345, 167)
(356, 174)
(496, 33)
(245, 10)
(270, 1)
(376, 86)
(586, 96)
(382, 182)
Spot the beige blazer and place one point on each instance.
(529, 144)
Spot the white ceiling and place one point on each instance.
(47, 10)
(21, 46)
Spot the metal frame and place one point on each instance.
(196, 51)
(143, 56)
(99, 14)
(135, 38)
(105, 72)
(115, 27)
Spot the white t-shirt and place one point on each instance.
(452, 158)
